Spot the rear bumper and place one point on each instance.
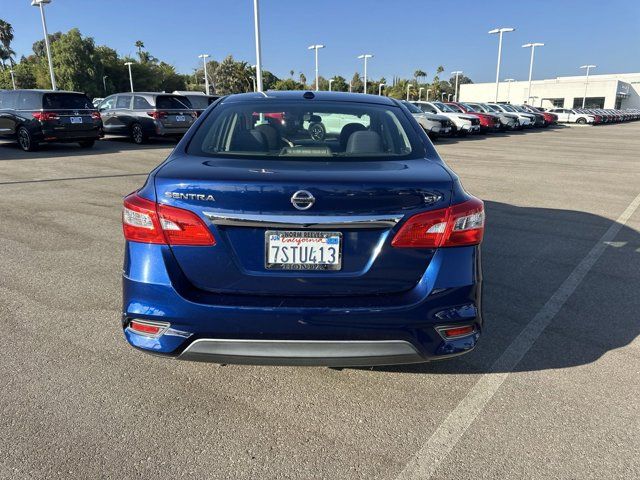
(51, 135)
(349, 353)
(360, 331)
(162, 131)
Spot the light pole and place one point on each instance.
(449, 97)
(420, 93)
(428, 92)
(350, 85)
(331, 80)
(499, 31)
(456, 73)
(409, 86)
(41, 4)
(204, 57)
(128, 64)
(532, 46)
(380, 88)
(586, 83)
(13, 79)
(509, 80)
(316, 48)
(256, 16)
(442, 96)
(365, 56)
(104, 83)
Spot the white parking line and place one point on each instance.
(424, 464)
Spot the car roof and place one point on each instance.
(42, 90)
(321, 96)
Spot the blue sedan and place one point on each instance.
(303, 228)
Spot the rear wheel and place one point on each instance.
(87, 143)
(137, 134)
(25, 140)
(581, 121)
(317, 131)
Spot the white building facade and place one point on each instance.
(602, 91)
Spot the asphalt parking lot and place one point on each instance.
(552, 391)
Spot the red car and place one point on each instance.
(549, 118)
(488, 121)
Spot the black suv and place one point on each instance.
(141, 115)
(35, 116)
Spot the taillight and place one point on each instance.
(458, 225)
(148, 222)
(158, 115)
(96, 115)
(44, 116)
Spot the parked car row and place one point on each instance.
(32, 117)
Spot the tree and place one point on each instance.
(6, 37)
(292, 73)
(303, 79)
(418, 74)
(339, 84)
(288, 84)
(356, 83)
(139, 46)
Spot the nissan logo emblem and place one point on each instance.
(302, 200)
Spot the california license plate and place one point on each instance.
(76, 119)
(180, 118)
(293, 250)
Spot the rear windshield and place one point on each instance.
(295, 129)
(72, 101)
(199, 101)
(171, 102)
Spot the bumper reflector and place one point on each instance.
(456, 332)
(148, 328)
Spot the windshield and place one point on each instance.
(444, 108)
(472, 107)
(455, 108)
(411, 107)
(71, 101)
(491, 108)
(294, 129)
(508, 108)
(518, 108)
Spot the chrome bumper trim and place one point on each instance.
(303, 221)
(339, 353)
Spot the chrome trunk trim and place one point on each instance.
(303, 221)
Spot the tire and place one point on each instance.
(87, 143)
(137, 134)
(581, 121)
(317, 131)
(26, 141)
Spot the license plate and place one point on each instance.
(292, 250)
(76, 119)
(180, 118)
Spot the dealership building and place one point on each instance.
(620, 90)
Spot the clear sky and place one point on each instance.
(404, 35)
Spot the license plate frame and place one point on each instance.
(302, 266)
(181, 118)
(76, 120)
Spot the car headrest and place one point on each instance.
(271, 134)
(346, 132)
(248, 141)
(364, 142)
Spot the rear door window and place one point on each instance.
(124, 101)
(141, 103)
(29, 101)
(66, 101)
(172, 102)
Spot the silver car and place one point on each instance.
(435, 125)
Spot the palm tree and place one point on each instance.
(292, 73)
(139, 46)
(419, 74)
(6, 37)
